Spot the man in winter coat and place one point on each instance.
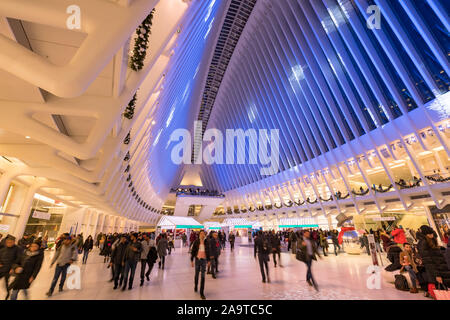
(214, 252)
(145, 243)
(27, 269)
(10, 255)
(131, 258)
(162, 245)
(117, 258)
(65, 255)
(262, 249)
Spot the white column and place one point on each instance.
(5, 182)
(102, 222)
(21, 223)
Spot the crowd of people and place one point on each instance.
(415, 254)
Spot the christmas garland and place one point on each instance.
(343, 197)
(260, 208)
(127, 157)
(129, 111)
(141, 43)
(268, 207)
(383, 190)
(405, 186)
(244, 210)
(437, 179)
(311, 202)
(127, 169)
(299, 203)
(229, 211)
(250, 209)
(127, 138)
(278, 207)
(237, 211)
(329, 199)
(360, 194)
(289, 203)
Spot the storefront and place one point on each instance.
(297, 223)
(45, 217)
(441, 219)
(177, 226)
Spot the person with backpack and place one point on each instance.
(27, 269)
(262, 249)
(65, 255)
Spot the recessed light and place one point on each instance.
(27, 137)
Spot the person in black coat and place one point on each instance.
(130, 259)
(200, 252)
(87, 247)
(262, 249)
(10, 255)
(276, 248)
(214, 252)
(27, 270)
(432, 257)
(393, 255)
(117, 258)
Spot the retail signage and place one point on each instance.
(384, 219)
(298, 226)
(215, 228)
(4, 228)
(243, 227)
(181, 226)
(41, 215)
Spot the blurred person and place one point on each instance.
(200, 252)
(131, 258)
(118, 260)
(64, 256)
(262, 250)
(161, 247)
(27, 269)
(10, 254)
(309, 251)
(87, 247)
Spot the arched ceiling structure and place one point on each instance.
(353, 105)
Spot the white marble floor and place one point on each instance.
(342, 277)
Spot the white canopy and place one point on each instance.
(174, 222)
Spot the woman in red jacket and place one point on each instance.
(399, 235)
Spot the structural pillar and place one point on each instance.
(21, 223)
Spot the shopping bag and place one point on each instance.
(431, 289)
(443, 294)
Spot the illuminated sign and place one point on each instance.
(182, 226)
(298, 226)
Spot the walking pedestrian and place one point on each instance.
(200, 252)
(262, 249)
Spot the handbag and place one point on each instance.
(300, 255)
(443, 294)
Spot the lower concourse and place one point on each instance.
(343, 277)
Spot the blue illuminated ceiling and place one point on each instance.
(177, 94)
